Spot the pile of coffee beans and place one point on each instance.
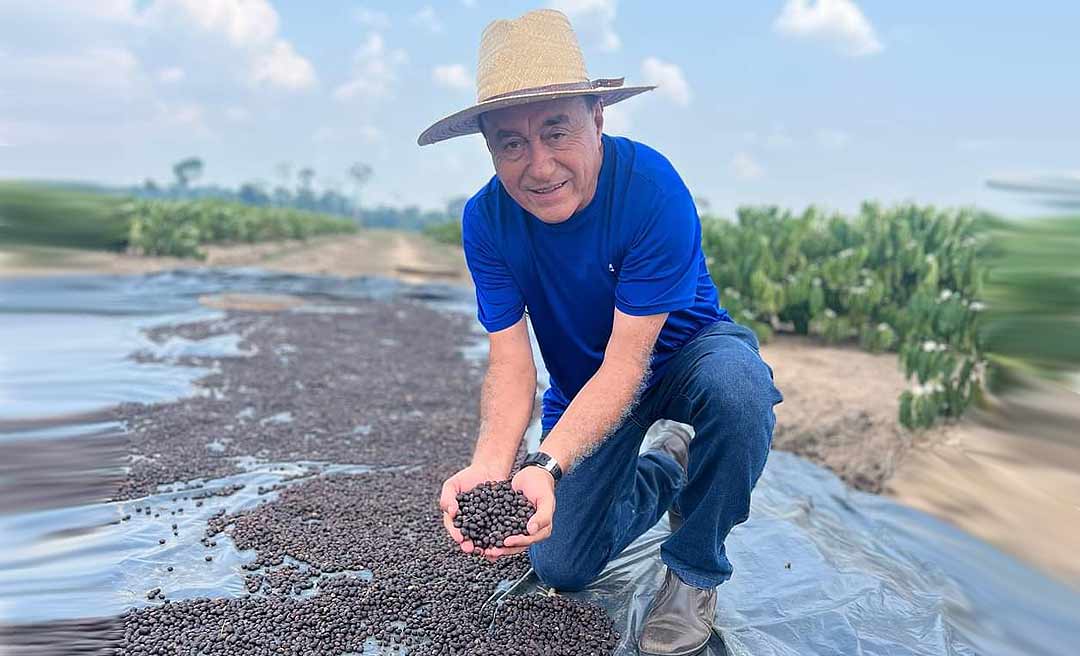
(491, 512)
(559, 626)
(357, 563)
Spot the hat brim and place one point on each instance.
(467, 120)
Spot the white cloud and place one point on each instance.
(837, 21)
(593, 21)
(668, 78)
(372, 18)
(249, 26)
(374, 71)
(469, 3)
(281, 67)
(832, 139)
(452, 76)
(170, 75)
(427, 19)
(244, 23)
(745, 168)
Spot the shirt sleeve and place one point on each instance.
(660, 270)
(500, 303)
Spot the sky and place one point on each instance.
(785, 102)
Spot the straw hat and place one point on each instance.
(529, 59)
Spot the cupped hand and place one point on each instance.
(463, 481)
(538, 486)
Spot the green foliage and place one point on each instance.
(899, 279)
(1031, 320)
(48, 215)
(448, 232)
(180, 227)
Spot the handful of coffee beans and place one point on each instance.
(491, 512)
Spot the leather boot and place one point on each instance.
(680, 620)
(673, 439)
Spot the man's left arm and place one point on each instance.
(605, 400)
(596, 411)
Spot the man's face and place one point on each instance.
(547, 154)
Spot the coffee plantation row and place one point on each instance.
(969, 301)
(907, 279)
(59, 216)
(180, 228)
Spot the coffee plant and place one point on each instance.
(180, 228)
(903, 279)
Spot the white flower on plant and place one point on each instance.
(816, 281)
(883, 326)
(946, 294)
(976, 306)
(829, 313)
(930, 346)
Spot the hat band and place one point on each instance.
(565, 86)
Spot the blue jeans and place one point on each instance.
(718, 384)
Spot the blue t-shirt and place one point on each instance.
(636, 246)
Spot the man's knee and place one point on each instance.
(738, 378)
(563, 571)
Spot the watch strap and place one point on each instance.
(545, 462)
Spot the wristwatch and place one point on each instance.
(545, 462)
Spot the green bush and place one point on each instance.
(52, 215)
(180, 228)
(448, 232)
(899, 279)
(48, 215)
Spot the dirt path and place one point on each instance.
(1015, 485)
(406, 255)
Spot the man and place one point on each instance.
(597, 239)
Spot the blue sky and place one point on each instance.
(789, 102)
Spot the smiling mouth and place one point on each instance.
(547, 190)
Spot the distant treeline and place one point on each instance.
(297, 191)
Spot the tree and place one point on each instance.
(703, 204)
(306, 175)
(253, 193)
(455, 207)
(187, 170)
(305, 196)
(360, 173)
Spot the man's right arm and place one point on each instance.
(507, 398)
(506, 404)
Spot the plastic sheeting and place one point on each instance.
(819, 568)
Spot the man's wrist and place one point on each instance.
(545, 461)
(494, 469)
